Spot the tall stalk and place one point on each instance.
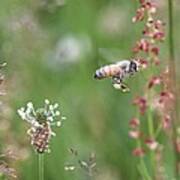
(41, 166)
(171, 32)
(173, 79)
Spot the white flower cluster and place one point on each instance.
(41, 120)
(36, 117)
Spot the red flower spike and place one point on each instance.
(134, 123)
(165, 96)
(156, 61)
(142, 45)
(146, 31)
(159, 36)
(141, 102)
(159, 25)
(143, 63)
(142, 1)
(151, 143)
(166, 123)
(150, 7)
(155, 80)
(139, 152)
(139, 15)
(135, 134)
(155, 51)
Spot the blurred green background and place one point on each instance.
(53, 48)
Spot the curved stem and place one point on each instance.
(41, 166)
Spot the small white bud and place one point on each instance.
(57, 113)
(21, 113)
(53, 133)
(63, 118)
(50, 118)
(59, 124)
(84, 163)
(51, 107)
(47, 101)
(30, 105)
(56, 105)
(69, 168)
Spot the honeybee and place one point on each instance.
(118, 72)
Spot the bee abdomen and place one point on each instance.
(107, 71)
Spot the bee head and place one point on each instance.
(134, 66)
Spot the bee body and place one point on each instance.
(107, 71)
(118, 72)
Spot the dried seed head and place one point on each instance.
(88, 165)
(6, 170)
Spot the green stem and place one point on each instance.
(158, 130)
(151, 134)
(1, 176)
(41, 166)
(173, 85)
(150, 124)
(171, 30)
(143, 167)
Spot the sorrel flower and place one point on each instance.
(144, 9)
(41, 121)
(157, 101)
(155, 80)
(143, 63)
(151, 143)
(138, 152)
(135, 134)
(155, 51)
(134, 123)
(142, 45)
(141, 102)
(166, 121)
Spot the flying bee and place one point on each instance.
(118, 72)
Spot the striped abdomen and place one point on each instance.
(107, 71)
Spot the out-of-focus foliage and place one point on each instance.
(52, 49)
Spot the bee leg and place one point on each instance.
(118, 84)
(118, 79)
(121, 86)
(124, 88)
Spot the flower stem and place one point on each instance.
(151, 134)
(144, 169)
(41, 166)
(171, 30)
(173, 85)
